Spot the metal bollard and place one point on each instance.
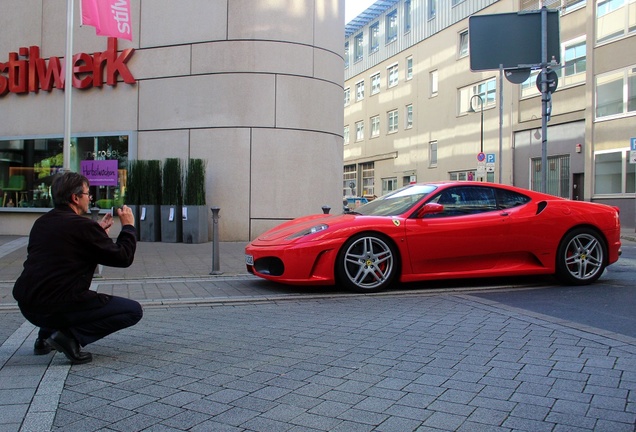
(326, 209)
(216, 265)
(95, 213)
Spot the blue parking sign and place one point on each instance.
(490, 158)
(633, 144)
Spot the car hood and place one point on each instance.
(283, 231)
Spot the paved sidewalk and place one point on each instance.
(235, 353)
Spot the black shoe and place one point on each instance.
(70, 347)
(41, 347)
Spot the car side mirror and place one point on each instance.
(430, 208)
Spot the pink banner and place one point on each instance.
(109, 17)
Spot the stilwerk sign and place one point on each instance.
(27, 72)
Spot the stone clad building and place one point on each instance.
(254, 87)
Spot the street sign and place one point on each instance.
(632, 157)
(633, 144)
(481, 156)
(490, 158)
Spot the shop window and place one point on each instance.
(389, 185)
(27, 167)
(349, 180)
(557, 175)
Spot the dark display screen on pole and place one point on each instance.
(511, 40)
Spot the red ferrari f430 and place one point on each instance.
(443, 230)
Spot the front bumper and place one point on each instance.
(308, 263)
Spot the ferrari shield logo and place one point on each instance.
(396, 222)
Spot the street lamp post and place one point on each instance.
(481, 109)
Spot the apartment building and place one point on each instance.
(414, 110)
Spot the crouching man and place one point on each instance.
(53, 291)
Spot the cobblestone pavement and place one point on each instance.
(239, 354)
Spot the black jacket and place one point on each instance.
(63, 252)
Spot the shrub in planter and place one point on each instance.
(172, 200)
(134, 179)
(150, 201)
(195, 211)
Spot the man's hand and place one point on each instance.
(106, 222)
(126, 216)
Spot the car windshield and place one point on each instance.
(396, 203)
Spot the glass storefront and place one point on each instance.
(28, 165)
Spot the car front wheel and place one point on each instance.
(581, 257)
(367, 263)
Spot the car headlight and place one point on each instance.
(313, 230)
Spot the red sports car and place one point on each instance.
(442, 231)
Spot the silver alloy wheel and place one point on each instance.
(583, 257)
(369, 263)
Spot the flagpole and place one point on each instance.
(68, 86)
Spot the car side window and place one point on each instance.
(508, 199)
(465, 200)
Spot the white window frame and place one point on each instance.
(389, 185)
(391, 26)
(409, 116)
(625, 76)
(375, 126)
(345, 135)
(434, 82)
(358, 47)
(360, 130)
(615, 19)
(626, 173)
(359, 90)
(347, 96)
(374, 37)
(567, 48)
(572, 5)
(408, 16)
(487, 89)
(432, 154)
(375, 83)
(409, 68)
(392, 75)
(462, 44)
(392, 120)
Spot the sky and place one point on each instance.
(354, 7)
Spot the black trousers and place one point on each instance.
(91, 324)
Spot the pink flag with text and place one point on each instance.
(109, 17)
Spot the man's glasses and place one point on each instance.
(90, 197)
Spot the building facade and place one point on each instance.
(414, 110)
(252, 87)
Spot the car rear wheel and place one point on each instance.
(367, 263)
(581, 257)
